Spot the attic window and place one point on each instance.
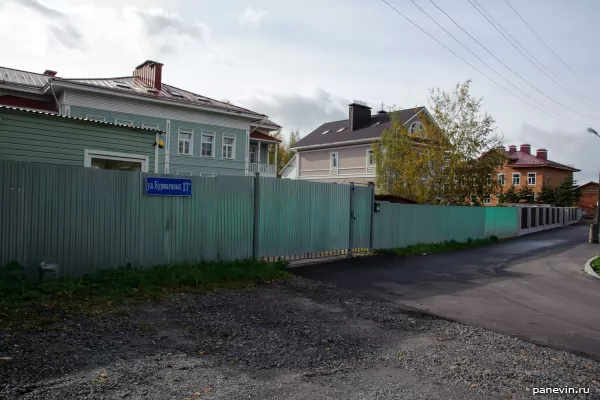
(203, 100)
(152, 90)
(175, 94)
(376, 124)
(122, 85)
(341, 129)
(326, 132)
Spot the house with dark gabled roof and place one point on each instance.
(341, 151)
(202, 136)
(523, 168)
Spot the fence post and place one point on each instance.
(351, 233)
(371, 233)
(256, 231)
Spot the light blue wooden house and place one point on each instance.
(202, 136)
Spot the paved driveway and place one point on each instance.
(533, 287)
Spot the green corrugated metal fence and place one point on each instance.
(502, 222)
(85, 219)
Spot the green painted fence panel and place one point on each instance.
(85, 219)
(400, 225)
(502, 222)
(362, 217)
(299, 217)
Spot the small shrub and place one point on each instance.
(596, 265)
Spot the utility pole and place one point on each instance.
(595, 233)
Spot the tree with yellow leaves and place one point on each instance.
(452, 160)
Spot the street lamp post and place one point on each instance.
(596, 232)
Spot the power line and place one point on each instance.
(530, 57)
(482, 61)
(549, 48)
(524, 55)
(468, 63)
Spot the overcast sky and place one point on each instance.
(302, 62)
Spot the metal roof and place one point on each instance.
(135, 86)
(24, 78)
(521, 159)
(139, 128)
(371, 130)
(263, 136)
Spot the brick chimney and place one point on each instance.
(359, 115)
(526, 148)
(150, 72)
(512, 148)
(542, 153)
(50, 73)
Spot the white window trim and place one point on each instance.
(504, 175)
(88, 154)
(228, 136)
(416, 124)
(123, 122)
(214, 150)
(337, 160)
(367, 155)
(151, 126)
(534, 178)
(252, 150)
(487, 200)
(191, 133)
(95, 118)
(513, 178)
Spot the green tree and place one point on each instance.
(284, 152)
(527, 194)
(547, 195)
(567, 193)
(451, 159)
(511, 195)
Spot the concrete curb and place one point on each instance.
(588, 268)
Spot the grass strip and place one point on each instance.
(30, 303)
(449, 245)
(596, 265)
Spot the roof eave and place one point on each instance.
(544, 165)
(93, 89)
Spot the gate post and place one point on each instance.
(256, 230)
(351, 233)
(371, 233)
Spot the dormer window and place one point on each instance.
(326, 132)
(341, 129)
(415, 127)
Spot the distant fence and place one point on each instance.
(85, 219)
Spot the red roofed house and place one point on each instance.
(524, 168)
(589, 198)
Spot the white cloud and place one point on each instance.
(252, 18)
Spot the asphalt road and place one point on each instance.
(533, 287)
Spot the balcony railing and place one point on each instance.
(263, 169)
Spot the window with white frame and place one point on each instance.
(229, 147)
(333, 158)
(252, 154)
(370, 158)
(150, 126)
(531, 178)
(502, 179)
(488, 180)
(487, 200)
(516, 178)
(101, 159)
(207, 144)
(415, 127)
(95, 118)
(185, 141)
(123, 122)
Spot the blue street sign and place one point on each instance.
(158, 186)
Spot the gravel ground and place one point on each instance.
(297, 339)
